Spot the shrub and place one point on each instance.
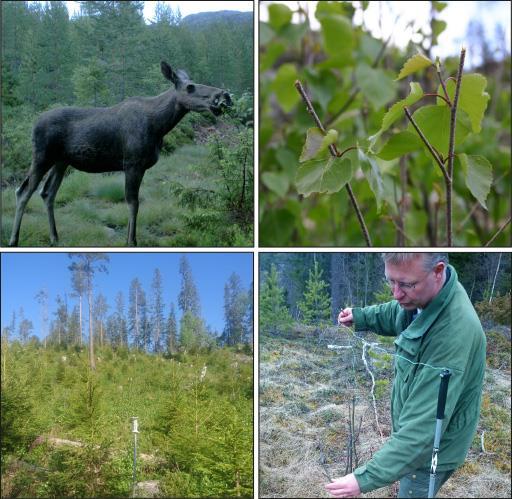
(497, 311)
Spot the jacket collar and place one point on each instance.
(417, 328)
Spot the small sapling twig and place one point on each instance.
(334, 152)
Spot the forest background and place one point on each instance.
(190, 387)
(103, 54)
(350, 76)
(325, 390)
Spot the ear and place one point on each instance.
(169, 73)
(191, 88)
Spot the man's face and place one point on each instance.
(412, 286)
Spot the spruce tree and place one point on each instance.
(235, 305)
(157, 313)
(172, 332)
(274, 314)
(316, 303)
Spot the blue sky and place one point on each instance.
(25, 274)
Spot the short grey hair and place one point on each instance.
(430, 260)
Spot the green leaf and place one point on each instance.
(434, 122)
(317, 142)
(283, 86)
(376, 86)
(396, 111)
(438, 27)
(439, 6)
(413, 64)
(276, 182)
(372, 173)
(472, 98)
(328, 174)
(400, 144)
(279, 15)
(338, 35)
(478, 175)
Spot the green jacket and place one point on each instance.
(447, 334)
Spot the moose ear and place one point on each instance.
(191, 88)
(168, 72)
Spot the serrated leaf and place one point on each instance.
(396, 111)
(413, 64)
(276, 182)
(279, 15)
(434, 122)
(473, 98)
(478, 174)
(373, 175)
(328, 174)
(316, 143)
(283, 86)
(376, 86)
(400, 144)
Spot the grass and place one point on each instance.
(90, 210)
(304, 394)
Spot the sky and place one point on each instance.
(186, 8)
(457, 14)
(25, 274)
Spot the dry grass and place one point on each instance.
(305, 390)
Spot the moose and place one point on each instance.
(126, 137)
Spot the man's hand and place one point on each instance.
(345, 317)
(346, 486)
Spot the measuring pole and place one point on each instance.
(441, 403)
(135, 430)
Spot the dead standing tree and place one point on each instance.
(126, 137)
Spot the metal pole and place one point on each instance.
(441, 403)
(135, 430)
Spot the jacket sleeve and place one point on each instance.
(410, 447)
(381, 319)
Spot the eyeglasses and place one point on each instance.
(404, 286)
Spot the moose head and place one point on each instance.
(196, 97)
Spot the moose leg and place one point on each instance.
(24, 193)
(48, 193)
(133, 178)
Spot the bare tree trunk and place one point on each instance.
(494, 280)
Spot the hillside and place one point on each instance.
(307, 392)
(203, 19)
(66, 430)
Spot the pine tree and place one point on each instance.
(316, 303)
(274, 315)
(89, 264)
(100, 311)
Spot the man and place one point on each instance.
(436, 327)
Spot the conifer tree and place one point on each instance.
(316, 303)
(89, 264)
(235, 306)
(172, 332)
(157, 313)
(274, 314)
(188, 299)
(122, 336)
(134, 312)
